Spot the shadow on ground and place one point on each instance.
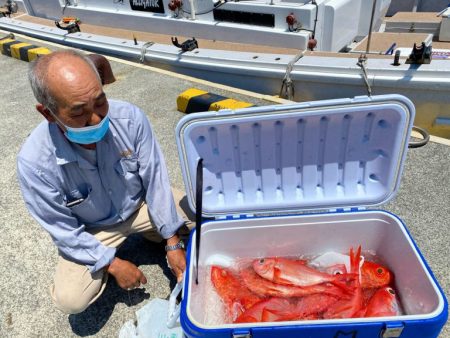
(139, 251)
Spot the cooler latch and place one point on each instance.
(242, 334)
(392, 330)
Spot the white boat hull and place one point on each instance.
(334, 23)
(314, 77)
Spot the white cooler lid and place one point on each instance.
(290, 158)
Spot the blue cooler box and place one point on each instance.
(288, 180)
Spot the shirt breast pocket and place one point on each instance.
(84, 209)
(128, 168)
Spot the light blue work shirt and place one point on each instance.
(130, 169)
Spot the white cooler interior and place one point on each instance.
(378, 231)
(291, 157)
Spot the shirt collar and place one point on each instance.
(64, 151)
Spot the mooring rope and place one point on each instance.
(287, 87)
(144, 50)
(362, 60)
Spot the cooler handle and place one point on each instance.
(174, 309)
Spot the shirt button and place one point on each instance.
(110, 191)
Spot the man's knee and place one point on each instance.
(75, 288)
(69, 302)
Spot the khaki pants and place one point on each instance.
(75, 288)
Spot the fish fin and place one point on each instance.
(277, 277)
(245, 318)
(341, 281)
(269, 315)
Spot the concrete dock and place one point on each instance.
(28, 255)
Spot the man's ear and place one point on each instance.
(45, 112)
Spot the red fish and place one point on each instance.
(280, 309)
(349, 308)
(270, 310)
(383, 303)
(237, 298)
(265, 288)
(311, 306)
(374, 275)
(367, 295)
(290, 272)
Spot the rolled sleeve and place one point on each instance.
(153, 173)
(46, 204)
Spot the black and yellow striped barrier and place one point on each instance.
(21, 50)
(195, 100)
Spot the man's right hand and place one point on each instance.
(127, 275)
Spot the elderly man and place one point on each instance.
(91, 174)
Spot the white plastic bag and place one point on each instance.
(154, 320)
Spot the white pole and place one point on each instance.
(192, 9)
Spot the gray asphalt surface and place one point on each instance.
(28, 255)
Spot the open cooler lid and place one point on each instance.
(290, 158)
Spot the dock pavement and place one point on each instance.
(28, 256)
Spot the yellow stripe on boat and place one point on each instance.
(195, 100)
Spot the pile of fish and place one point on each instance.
(284, 289)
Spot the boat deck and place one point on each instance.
(29, 256)
(164, 39)
(380, 42)
(414, 17)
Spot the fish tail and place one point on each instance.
(354, 260)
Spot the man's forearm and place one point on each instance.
(175, 239)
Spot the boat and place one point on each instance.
(278, 23)
(324, 63)
(416, 6)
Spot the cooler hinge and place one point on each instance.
(392, 330)
(242, 334)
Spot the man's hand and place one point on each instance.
(127, 275)
(176, 258)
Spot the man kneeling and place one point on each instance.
(91, 174)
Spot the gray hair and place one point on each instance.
(37, 75)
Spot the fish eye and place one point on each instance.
(261, 261)
(380, 271)
(391, 291)
(337, 273)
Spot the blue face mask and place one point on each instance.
(86, 135)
